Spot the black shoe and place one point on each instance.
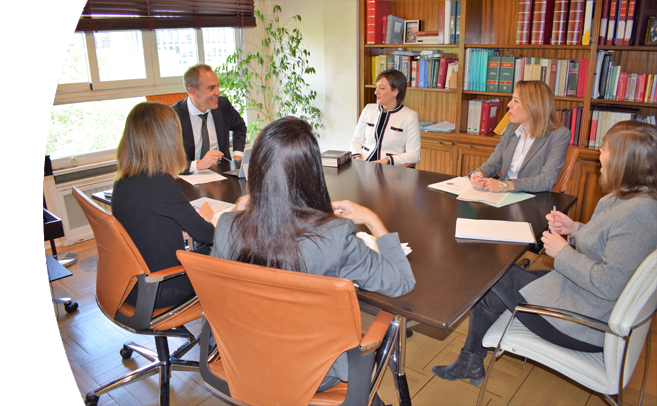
(467, 366)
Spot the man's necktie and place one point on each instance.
(205, 138)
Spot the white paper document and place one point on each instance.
(370, 241)
(495, 230)
(455, 186)
(482, 196)
(442, 127)
(218, 206)
(204, 176)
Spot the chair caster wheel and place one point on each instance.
(125, 353)
(71, 307)
(91, 399)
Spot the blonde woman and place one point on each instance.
(532, 152)
(150, 204)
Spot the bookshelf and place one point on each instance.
(491, 24)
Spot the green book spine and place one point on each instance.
(572, 78)
(493, 74)
(434, 73)
(507, 74)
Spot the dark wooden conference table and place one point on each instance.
(451, 276)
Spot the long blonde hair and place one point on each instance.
(538, 99)
(151, 142)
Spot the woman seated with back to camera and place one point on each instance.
(589, 278)
(388, 132)
(288, 222)
(530, 154)
(149, 203)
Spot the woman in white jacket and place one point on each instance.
(388, 132)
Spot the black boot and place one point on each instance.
(467, 366)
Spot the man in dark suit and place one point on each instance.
(206, 119)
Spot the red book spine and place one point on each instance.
(594, 131)
(622, 16)
(642, 88)
(611, 26)
(629, 24)
(384, 28)
(371, 26)
(604, 21)
(622, 83)
(442, 71)
(582, 77)
(559, 22)
(538, 22)
(485, 112)
(575, 22)
(375, 11)
(524, 22)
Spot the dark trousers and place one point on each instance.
(505, 295)
(171, 292)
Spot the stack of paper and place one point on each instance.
(495, 230)
(370, 241)
(461, 186)
(443, 127)
(218, 206)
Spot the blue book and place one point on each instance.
(422, 73)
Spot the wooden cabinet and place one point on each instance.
(491, 24)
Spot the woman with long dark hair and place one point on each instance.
(589, 278)
(288, 222)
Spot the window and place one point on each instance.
(106, 73)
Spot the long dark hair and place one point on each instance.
(289, 199)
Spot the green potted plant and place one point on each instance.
(268, 79)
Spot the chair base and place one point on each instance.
(162, 363)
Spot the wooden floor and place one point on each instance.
(92, 346)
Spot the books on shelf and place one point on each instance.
(395, 30)
(542, 17)
(611, 83)
(575, 22)
(375, 13)
(524, 25)
(602, 119)
(559, 22)
(555, 22)
(624, 22)
(482, 116)
(335, 158)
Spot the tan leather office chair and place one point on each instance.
(168, 99)
(567, 170)
(280, 333)
(120, 266)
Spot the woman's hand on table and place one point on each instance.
(553, 243)
(206, 212)
(242, 203)
(360, 215)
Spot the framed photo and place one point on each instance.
(411, 27)
(651, 32)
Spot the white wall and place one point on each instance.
(330, 33)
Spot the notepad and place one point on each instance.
(461, 187)
(495, 230)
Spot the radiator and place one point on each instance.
(88, 180)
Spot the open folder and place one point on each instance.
(495, 230)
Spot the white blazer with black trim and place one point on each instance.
(399, 138)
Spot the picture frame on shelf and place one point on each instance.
(651, 31)
(411, 27)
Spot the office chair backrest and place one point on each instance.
(278, 332)
(567, 170)
(638, 301)
(119, 261)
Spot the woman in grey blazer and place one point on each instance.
(288, 222)
(589, 278)
(530, 153)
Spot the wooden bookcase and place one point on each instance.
(492, 24)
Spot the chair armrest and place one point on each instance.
(567, 316)
(165, 274)
(374, 335)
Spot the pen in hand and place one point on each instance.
(554, 208)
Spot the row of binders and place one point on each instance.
(486, 71)
(603, 119)
(426, 69)
(385, 28)
(554, 22)
(624, 22)
(613, 84)
(482, 116)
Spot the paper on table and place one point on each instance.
(204, 176)
(495, 230)
(443, 127)
(475, 195)
(454, 186)
(370, 241)
(219, 207)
